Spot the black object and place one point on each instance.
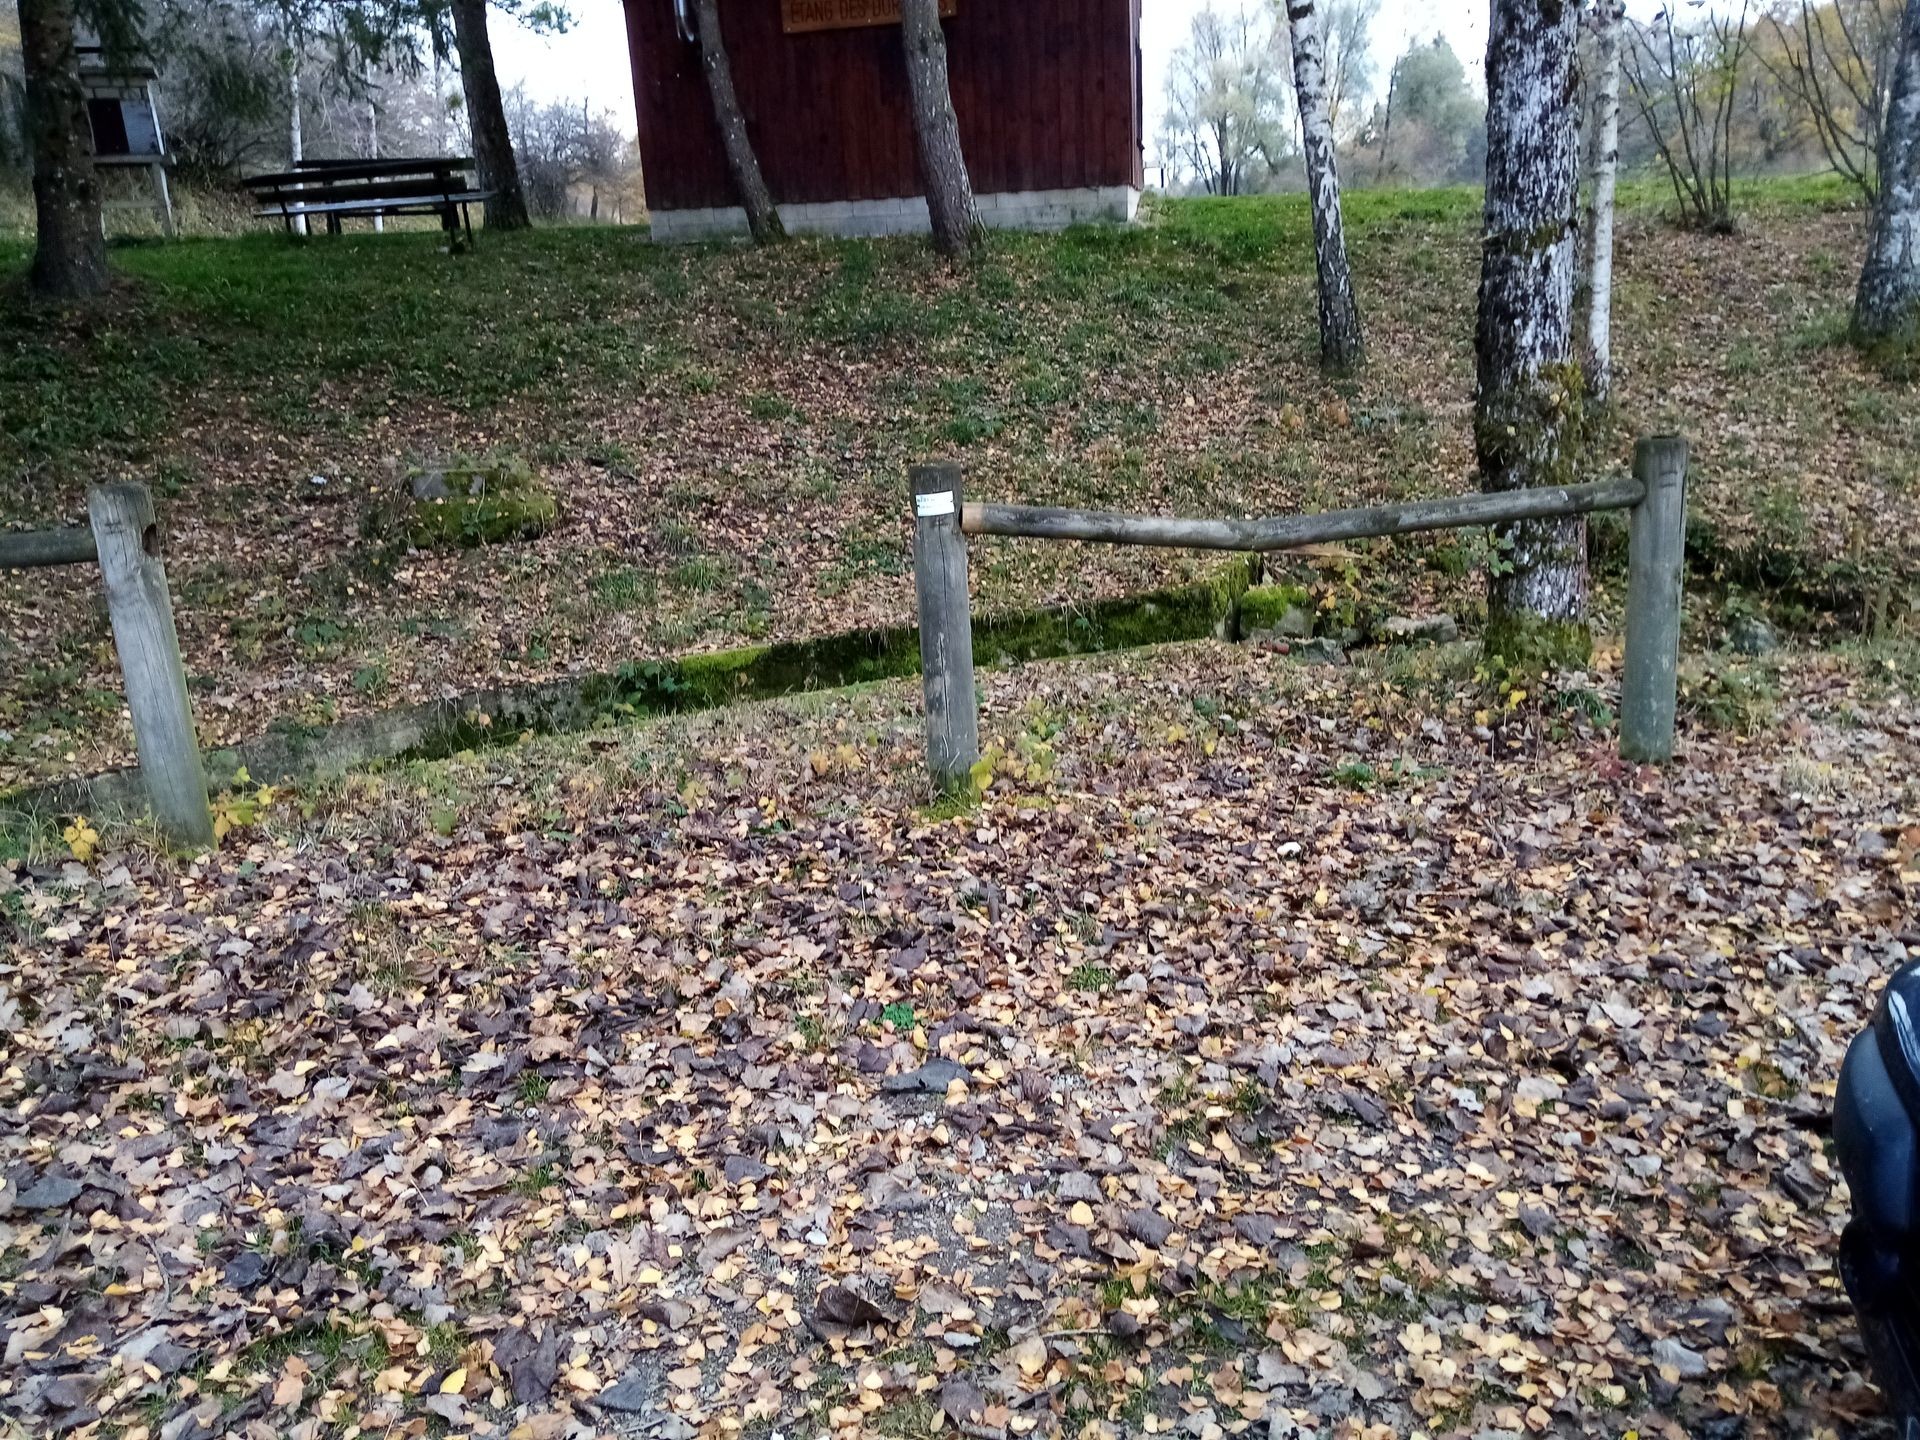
(1876, 1133)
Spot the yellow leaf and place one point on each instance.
(455, 1382)
(82, 839)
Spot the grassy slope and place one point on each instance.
(729, 427)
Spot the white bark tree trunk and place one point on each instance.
(763, 217)
(296, 148)
(1342, 346)
(1603, 168)
(1527, 428)
(1887, 304)
(936, 130)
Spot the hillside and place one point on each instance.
(728, 429)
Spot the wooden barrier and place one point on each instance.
(33, 549)
(946, 625)
(125, 541)
(1655, 494)
(1656, 576)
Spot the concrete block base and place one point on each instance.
(1004, 210)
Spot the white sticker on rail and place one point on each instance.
(940, 502)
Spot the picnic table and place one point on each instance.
(335, 190)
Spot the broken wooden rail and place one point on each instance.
(123, 538)
(1655, 494)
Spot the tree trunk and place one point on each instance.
(1887, 305)
(936, 130)
(1527, 424)
(1341, 346)
(1604, 169)
(70, 256)
(763, 218)
(506, 208)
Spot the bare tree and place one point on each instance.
(1527, 428)
(1887, 304)
(506, 207)
(763, 217)
(1347, 26)
(1603, 168)
(1685, 81)
(936, 130)
(1836, 60)
(1341, 344)
(1229, 117)
(70, 253)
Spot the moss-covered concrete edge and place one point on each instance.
(638, 689)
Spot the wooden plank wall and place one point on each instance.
(1047, 93)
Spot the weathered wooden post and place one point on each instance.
(946, 625)
(128, 540)
(1656, 569)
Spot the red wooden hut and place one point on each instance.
(1047, 93)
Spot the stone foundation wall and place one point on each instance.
(1008, 210)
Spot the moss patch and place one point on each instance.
(464, 503)
(1896, 355)
(1181, 612)
(1526, 644)
(1287, 609)
(858, 657)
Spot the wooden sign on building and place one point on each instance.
(797, 17)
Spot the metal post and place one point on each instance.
(1656, 568)
(946, 625)
(128, 541)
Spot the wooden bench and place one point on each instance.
(340, 189)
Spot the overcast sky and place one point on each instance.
(591, 59)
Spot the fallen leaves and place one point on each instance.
(1196, 1090)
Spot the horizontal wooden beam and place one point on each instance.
(1284, 532)
(31, 549)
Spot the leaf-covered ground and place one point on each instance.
(729, 430)
(1277, 1051)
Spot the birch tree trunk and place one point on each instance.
(70, 254)
(763, 218)
(493, 155)
(936, 130)
(1887, 305)
(1604, 169)
(296, 145)
(1527, 428)
(1342, 347)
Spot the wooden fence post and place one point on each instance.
(946, 625)
(128, 541)
(1656, 569)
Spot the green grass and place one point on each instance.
(726, 429)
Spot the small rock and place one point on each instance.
(932, 1078)
(1672, 1355)
(854, 1303)
(1256, 1230)
(739, 1169)
(1538, 1089)
(1750, 635)
(1149, 1227)
(1319, 652)
(1421, 629)
(1078, 1185)
(246, 1270)
(50, 1192)
(631, 1394)
(1124, 1325)
(963, 1402)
